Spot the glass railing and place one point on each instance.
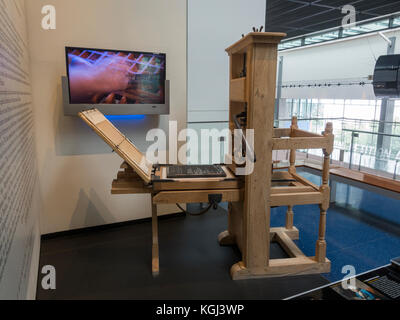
(355, 144)
(363, 27)
(358, 144)
(385, 159)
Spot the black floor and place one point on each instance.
(115, 263)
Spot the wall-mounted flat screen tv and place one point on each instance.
(110, 78)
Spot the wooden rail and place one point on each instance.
(367, 178)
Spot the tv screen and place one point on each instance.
(97, 76)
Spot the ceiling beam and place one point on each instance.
(377, 8)
(297, 17)
(319, 13)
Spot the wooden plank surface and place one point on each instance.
(255, 38)
(118, 142)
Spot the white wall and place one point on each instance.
(19, 193)
(212, 27)
(350, 59)
(76, 168)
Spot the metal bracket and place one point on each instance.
(390, 42)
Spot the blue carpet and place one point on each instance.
(363, 228)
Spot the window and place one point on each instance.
(348, 116)
(379, 24)
(366, 28)
(322, 37)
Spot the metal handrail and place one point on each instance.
(338, 119)
(374, 133)
(351, 149)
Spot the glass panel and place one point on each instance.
(290, 44)
(396, 22)
(348, 116)
(347, 32)
(365, 28)
(322, 37)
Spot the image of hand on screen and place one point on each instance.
(99, 76)
(88, 80)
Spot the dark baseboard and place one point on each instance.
(108, 226)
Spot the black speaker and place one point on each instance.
(387, 77)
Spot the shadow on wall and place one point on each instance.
(90, 211)
(74, 137)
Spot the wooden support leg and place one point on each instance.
(292, 157)
(320, 254)
(155, 254)
(227, 238)
(289, 218)
(289, 229)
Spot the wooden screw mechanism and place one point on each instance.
(253, 62)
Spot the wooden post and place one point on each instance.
(260, 118)
(228, 237)
(292, 167)
(320, 252)
(292, 170)
(155, 249)
(255, 89)
(289, 218)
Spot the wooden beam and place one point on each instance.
(279, 133)
(293, 199)
(288, 245)
(196, 196)
(127, 186)
(297, 133)
(196, 184)
(298, 266)
(300, 143)
(282, 268)
(291, 233)
(280, 190)
(305, 181)
(261, 85)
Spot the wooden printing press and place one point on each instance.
(253, 62)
